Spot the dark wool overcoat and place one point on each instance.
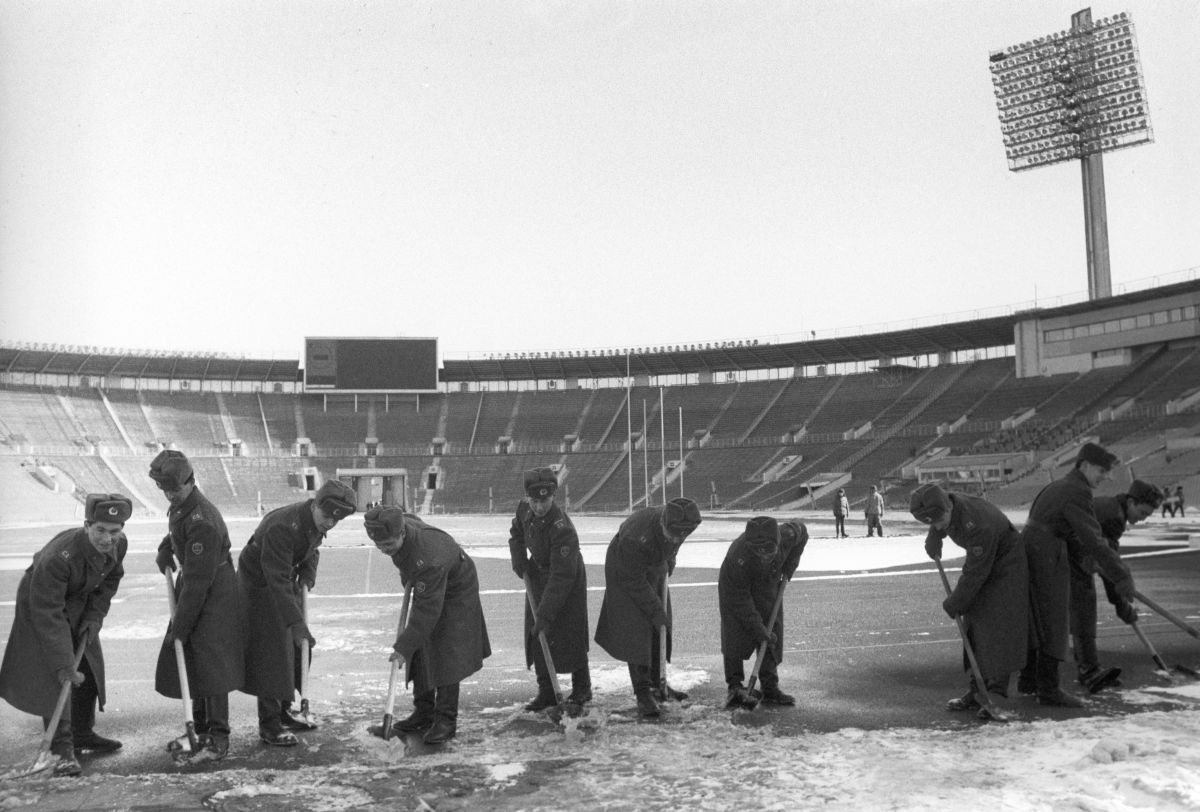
(69, 583)
(992, 592)
(445, 640)
(1062, 524)
(559, 580)
(282, 552)
(746, 591)
(635, 569)
(1110, 513)
(207, 616)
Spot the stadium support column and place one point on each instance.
(1095, 214)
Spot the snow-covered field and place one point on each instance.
(698, 757)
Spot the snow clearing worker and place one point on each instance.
(992, 593)
(1061, 520)
(207, 621)
(62, 601)
(640, 557)
(874, 512)
(1113, 513)
(544, 546)
(752, 575)
(280, 559)
(445, 638)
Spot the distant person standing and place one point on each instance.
(992, 593)
(207, 621)
(279, 560)
(1063, 518)
(445, 638)
(841, 507)
(874, 512)
(1114, 513)
(544, 546)
(1179, 500)
(640, 557)
(62, 601)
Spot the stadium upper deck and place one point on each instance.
(18, 363)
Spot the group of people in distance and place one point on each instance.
(872, 511)
(1024, 595)
(246, 628)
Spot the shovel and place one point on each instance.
(186, 745)
(45, 760)
(304, 716)
(557, 712)
(753, 697)
(1171, 616)
(987, 709)
(385, 731)
(1158, 660)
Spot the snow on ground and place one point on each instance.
(698, 757)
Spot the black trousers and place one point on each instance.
(768, 672)
(79, 714)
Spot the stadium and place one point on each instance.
(434, 250)
(994, 405)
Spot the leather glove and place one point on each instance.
(300, 633)
(933, 547)
(520, 567)
(165, 560)
(659, 620)
(69, 675)
(306, 581)
(396, 657)
(767, 637)
(949, 609)
(1127, 612)
(540, 625)
(1124, 588)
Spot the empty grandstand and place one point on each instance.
(995, 405)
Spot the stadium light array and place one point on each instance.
(1071, 94)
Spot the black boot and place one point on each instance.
(647, 705)
(1049, 692)
(445, 715)
(421, 719)
(545, 699)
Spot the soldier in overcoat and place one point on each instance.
(207, 620)
(63, 599)
(445, 638)
(640, 557)
(280, 559)
(1061, 519)
(751, 577)
(1113, 513)
(543, 545)
(992, 593)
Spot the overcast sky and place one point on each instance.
(235, 176)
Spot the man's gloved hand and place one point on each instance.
(89, 630)
(306, 581)
(520, 567)
(540, 625)
(659, 620)
(1124, 588)
(767, 637)
(949, 608)
(165, 560)
(300, 633)
(69, 675)
(396, 657)
(933, 547)
(1127, 612)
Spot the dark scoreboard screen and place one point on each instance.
(371, 364)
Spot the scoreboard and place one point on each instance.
(371, 365)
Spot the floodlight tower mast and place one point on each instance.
(1075, 94)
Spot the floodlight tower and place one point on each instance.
(1075, 94)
